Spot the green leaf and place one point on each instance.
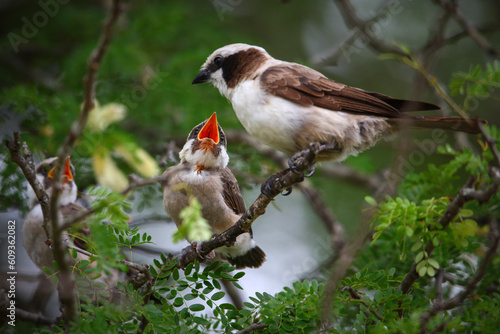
(175, 274)
(218, 295)
(419, 257)
(249, 305)
(178, 301)
(190, 296)
(466, 213)
(197, 307)
(433, 263)
(370, 200)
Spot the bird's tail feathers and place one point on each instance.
(404, 105)
(254, 258)
(470, 125)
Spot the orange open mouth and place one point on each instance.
(210, 129)
(67, 176)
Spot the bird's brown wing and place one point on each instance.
(231, 192)
(307, 87)
(72, 210)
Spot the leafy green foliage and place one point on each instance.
(477, 83)
(290, 311)
(194, 227)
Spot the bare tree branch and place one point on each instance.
(21, 155)
(312, 195)
(492, 143)
(353, 21)
(233, 293)
(476, 36)
(135, 183)
(253, 327)
(355, 295)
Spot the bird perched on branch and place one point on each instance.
(288, 106)
(35, 239)
(203, 173)
(34, 236)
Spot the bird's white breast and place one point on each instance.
(270, 119)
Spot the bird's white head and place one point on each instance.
(206, 146)
(226, 67)
(45, 175)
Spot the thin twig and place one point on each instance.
(135, 183)
(355, 295)
(21, 155)
(253, 327)
(139, 267)
(492, 144)
(476, 36)
(348, 174)
(353, 21)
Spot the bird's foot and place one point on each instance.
(269, 188)
(198, 246)
(287, 191)
(329, 147)
(292, 164)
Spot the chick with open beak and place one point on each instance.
(203, 173)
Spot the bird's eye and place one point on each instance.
(218, 61)
(222, 138)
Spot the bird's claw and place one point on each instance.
(198, 246)
(266, 189)
(329, 147)
(293, 167)
(287, 191)
(310, 171)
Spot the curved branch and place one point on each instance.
(21, 155)
(253, 327)
(452, 8)
(352, 20)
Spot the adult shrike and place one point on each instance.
(203, 173)
(288, 106)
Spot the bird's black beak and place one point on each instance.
(202, 77)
